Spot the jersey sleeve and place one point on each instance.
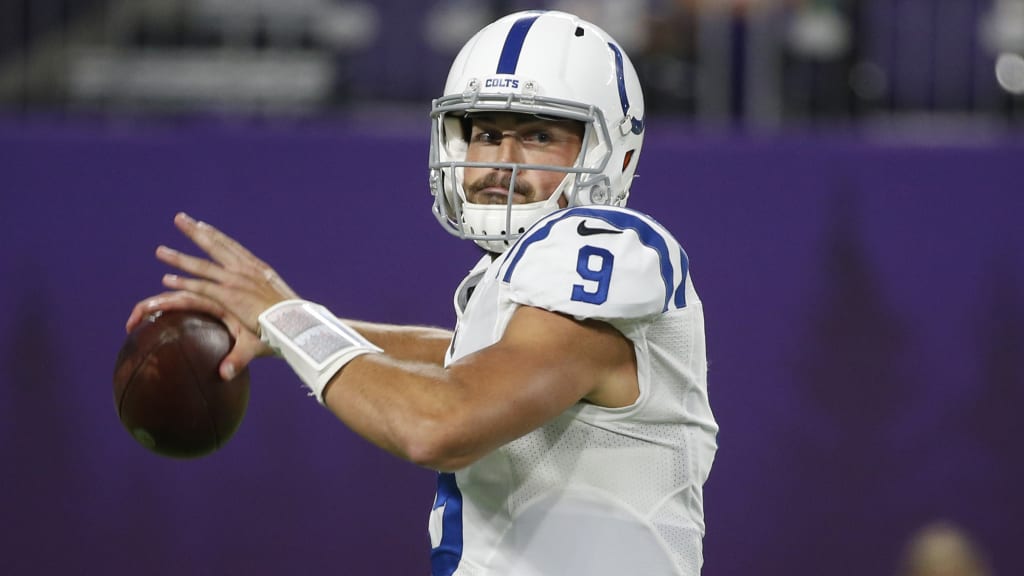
(597, 262)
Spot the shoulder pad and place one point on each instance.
(597, 262)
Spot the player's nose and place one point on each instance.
(511, 149)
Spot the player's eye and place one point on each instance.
(487, 137)
(537, 137)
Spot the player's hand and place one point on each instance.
(232, 284)
(232, 276)
(247, 344)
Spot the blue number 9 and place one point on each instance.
(602, 275)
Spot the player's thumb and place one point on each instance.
(246, 347)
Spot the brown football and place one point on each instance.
(167, 389)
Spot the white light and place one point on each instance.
(1010, 72)
(822, 33)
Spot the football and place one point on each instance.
(168, 392)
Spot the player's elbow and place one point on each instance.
(439, 461)
(438, 447)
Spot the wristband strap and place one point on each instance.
(312, 340)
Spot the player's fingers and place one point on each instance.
(168, 301)
(140, 311)
(246, 304)
(260, 278)
(236, 262)
(247, 347)
(190, 264)
(198, 286)
(218, 245)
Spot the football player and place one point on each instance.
(567, 415)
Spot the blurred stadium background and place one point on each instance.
(845, 175)
(761, 64)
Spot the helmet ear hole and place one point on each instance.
(579, 31)
(627, 159)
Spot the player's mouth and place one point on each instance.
(494, 189)
(496, 195)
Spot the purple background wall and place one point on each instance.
(865, 308)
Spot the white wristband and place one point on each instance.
(312, 340)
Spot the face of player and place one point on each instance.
(508, 137)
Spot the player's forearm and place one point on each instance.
(410, 409)
(407, 343)
(447, 418)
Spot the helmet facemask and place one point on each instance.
(495, 226)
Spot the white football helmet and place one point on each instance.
(549, 64)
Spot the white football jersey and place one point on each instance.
(596, 491)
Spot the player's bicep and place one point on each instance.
(543, 365)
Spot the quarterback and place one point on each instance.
(567, 414)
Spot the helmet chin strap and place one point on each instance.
(490, 220)
(507, 220)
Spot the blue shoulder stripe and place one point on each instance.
(684, 261)
(624, 221)
(509, 59)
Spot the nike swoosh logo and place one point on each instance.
(583, 230)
